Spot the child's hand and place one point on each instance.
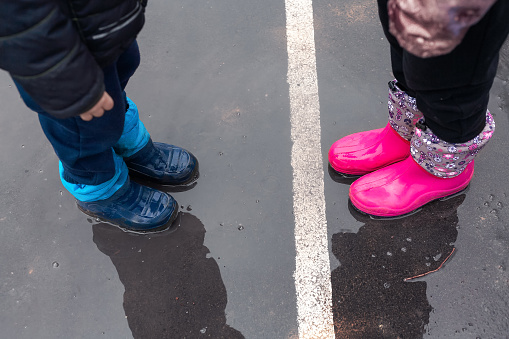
(104, 104)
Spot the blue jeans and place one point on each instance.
(86, 149)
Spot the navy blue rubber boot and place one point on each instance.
(134, 208)
(164, 164)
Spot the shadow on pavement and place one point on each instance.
(172, 290)
(371, 298)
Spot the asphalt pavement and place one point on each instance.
(213, 79)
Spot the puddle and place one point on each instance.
(173, 289)
(371, 295)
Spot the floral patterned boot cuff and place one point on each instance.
(444, 159)
(403, 112)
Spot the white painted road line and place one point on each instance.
(312, 273)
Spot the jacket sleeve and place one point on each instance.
(43, 52)
(428, 28)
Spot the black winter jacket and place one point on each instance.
(55, 49)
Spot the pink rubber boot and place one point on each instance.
(364, 152)
(435, 170)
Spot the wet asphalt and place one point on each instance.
(213, 80)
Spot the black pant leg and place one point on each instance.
(452, 90)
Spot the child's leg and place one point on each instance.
(162, 163)
(134, 135)
(93, 172)
(85, 148)
(452, 90)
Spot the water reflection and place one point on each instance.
(172, 290)
(370, 296)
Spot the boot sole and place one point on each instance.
(402, 216)
(168, 225)
(341, 178)
(341, 175)
(189, 182)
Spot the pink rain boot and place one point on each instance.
(361, 153)
(435, 170)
